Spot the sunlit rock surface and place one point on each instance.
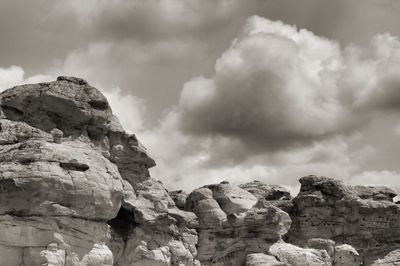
(75, 190)
(364, 217)
(231, 227)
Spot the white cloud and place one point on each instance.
(282, 103)
(377, 178)
(10, 76)
(129, 109)
(14, 75)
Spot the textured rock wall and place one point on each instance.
(75, 190)
(364, 217)
(231, 225)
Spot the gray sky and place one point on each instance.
(221, 90)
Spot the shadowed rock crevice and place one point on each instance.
(123, 223)
(74, 165)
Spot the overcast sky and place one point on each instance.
(227, 89)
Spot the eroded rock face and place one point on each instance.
(269, 195)
(296, 256)
(261, 259)
(391, 259)
(231, 227)
(75, 188)
(364, 217)
(346, 255)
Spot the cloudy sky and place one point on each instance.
(228, 89)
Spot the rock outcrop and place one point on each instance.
(75, 188)
(261, 259)
(364, 217)
(231, 226)
(296, 256)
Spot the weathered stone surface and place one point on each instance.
(325, 244)
(230, 227)
(391, 259)
(346, 255)
(269, 195)
(75, 188)
(296, 256)
(37, 239)
(261, 259)
(179, 197)
(364, 217)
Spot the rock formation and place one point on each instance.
(75, 190)
(231, 226)
(364, 217)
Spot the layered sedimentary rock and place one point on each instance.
(364, 217)
(231, 226)
(75, 188)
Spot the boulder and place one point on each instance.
(179, 197)
(75, 188)
(296, 256)
(261, 259)
(391, 259)
(346, 255)
(325, 244)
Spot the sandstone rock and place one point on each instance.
(53, 256)
(269, 195)
(261, 259)
(391, 259)
(267, 192)
(232, 199)
(325, 244)
(346, 255)
(230, 227)
(179, 197)
(57, 135)
(68, 169)
(296, 256)
(75, 190)
(375, 193)
(364, 217)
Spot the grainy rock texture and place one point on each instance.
(391, 259)
(269, 195)
(346, 255)
(230, 226)
(75, 190)
(364, 217)
(296, 256)
(261, 259)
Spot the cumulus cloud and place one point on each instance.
(278, 87)
(129, 109)
(14, 75)
(282, 103)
